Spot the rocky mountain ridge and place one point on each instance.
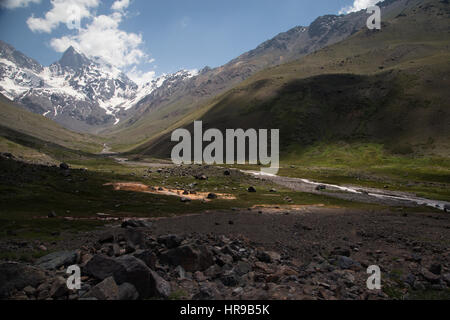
(80, 93)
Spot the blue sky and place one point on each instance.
(155, 36)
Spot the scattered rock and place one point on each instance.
(212, 196)
(251, 189)
(446, 278)
(263, 256)
(57, 259)
(436, 268)
(338, 251)
(136, 224)
(147, 256)
(16, 276)
(230, 279)
(207, 291)
(170, 241)
(59, 288)
(134, 237)
(429, 276)
(191, 258)
(347, 263)
(64, 166)
(410, 279)
(29, 290)
(102, 267)
(242, 268)
(128, 292)
(105, 290)
(147, 282)
(52, 214)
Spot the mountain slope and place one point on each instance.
(388, 86)
(82, 94)
(21, 129)
(164, 108)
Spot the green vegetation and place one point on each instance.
(371, 110)
(30, 135)
(370, 165)
(29, 193)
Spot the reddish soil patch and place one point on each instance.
(140, 187)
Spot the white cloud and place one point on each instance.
(140, 77)
(358, 5)
(13, 4)
(62, 11)
(120, 5)
(103, 38)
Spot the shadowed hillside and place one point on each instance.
(167, 106)
(388, 87)
(35, 137)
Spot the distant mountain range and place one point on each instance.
(388, 87)
(80, 93)
(164, 110)
(87, 95)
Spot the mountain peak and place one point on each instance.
(73, 59)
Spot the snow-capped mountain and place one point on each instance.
(80, 93)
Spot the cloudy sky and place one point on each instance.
(146, 38)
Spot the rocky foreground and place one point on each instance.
(129, 262)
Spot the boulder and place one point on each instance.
(191, 258)
(347, 263)
(105, 290)
(147, 256)
(212, 196)
(251, 189)
(429, 276)
(436, 268)
(230, 279)
(207, 291)
(147, 282)
(242, 268)
(128, 292)
(16, 276)
(64, 166)
(446, 278)
(52, 214)
(59, 288)
(136, 224)
(135, 237)
(338, 251)
(57, 259)
(102, 267)
(263, 256)
(170, 241)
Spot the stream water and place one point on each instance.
(380, 194)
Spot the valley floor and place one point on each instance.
(278, 242)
